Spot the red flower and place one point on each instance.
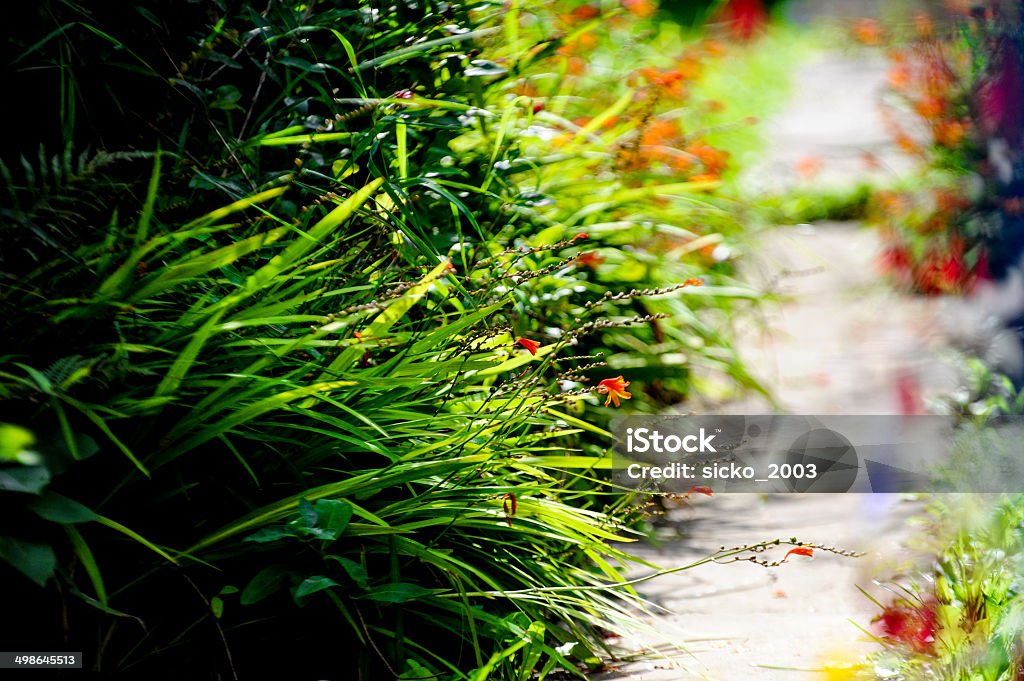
(799, 551)
(528, 344)
(590, 259)
(581, 235)
(700, 489)
(614, 388)
(911, 625)
(744, 17)
(510, 509)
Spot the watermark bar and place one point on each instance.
(36, 660)
(809, 454)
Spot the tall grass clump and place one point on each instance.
(306, 347)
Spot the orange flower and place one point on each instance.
(949, 133)
(898, 76)
(590, 259)
(581, 235)
(799, 551)
(576, 66)
(582, 43)
(931, 107)
(640, 8)
(659, 131)
(530, 345)
(868, 32)
(581, 14)
(714, 160)
(614, 388)
(809, 166)
(669, 81)
(706, 491)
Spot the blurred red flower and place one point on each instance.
(913, 626)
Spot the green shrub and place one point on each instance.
(266, 402)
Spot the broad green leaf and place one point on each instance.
(263, 584)
(34, 560)
(356, 571)
(311, 585)
(59, 509)
(333, 516)
(30, 479)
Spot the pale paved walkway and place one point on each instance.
(841, 342)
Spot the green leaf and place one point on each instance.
(217, 606)
(226, 97)
(414, 671)
(333, 516)
(311, 585)
(399, 592)
(308, 513)
(269, 534)
(263, 584)
(356, 571)
(88, 561)
(59, 509)
(31, 479)
(34, 560)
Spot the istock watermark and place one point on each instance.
(785, 453)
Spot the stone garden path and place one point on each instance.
(841, 342)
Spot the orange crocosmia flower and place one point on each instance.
(640, 8)
(669, 81)
(949, 133)
(907, 143)
(898, 76)
(808, 166)
(576, 66)
(614, 388)
(714, 106)
(530, 345)
(582, 43)
(581, 14)
(581, 235)
(659, 131)
(700, 489)
(693, 282)
(799, 551)
(931, 107)
(714, 160)
(590, 259)
(868, 32)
